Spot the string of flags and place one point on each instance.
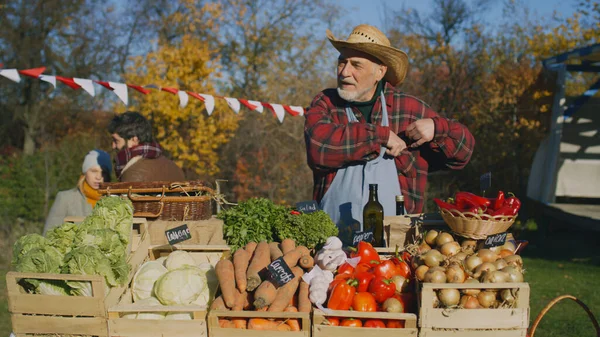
(121, 90)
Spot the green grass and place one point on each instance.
(557, 263)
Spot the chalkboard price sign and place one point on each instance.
(178, 234)
(307, 206)
(366, 236)
(495, 240)
(280, 272)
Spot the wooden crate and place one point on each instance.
(425, 332)
(70, 315)
(214, 330)
(321, 328)
(516, 318)
(124, 327)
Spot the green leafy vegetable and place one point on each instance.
(307, 229)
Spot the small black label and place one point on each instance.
(366, 236)
(495, 240)
(485, 181)
(307, 206)
(280, 272)
(178, 234)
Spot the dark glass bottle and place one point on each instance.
(399, 205)
(373, 217)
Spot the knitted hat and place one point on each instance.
(97, 158)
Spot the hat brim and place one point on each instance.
(395, 59)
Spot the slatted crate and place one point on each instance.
(71, 315)
(214, 330)
(125, 327)
(321, 327)
(502, 322)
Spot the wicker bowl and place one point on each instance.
(476, 226)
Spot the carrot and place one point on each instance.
(241, 258)
(225, 323)
(239, 323)
(218, 304)
(304, 304)
(275, 251)
(287, 245)
(303, 250)
(293, 322)
(291, 258)
(248, 300)
(260, 261)
(250, 247)
(264, 294)
(225, 275)
(265, 324)
(286, 292)
(282, 326)
(306, 262)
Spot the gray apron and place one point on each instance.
(349, 190)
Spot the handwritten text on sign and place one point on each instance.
(366, 236)
(178, 234)
(280, 272)
(307, 206)
(495, 240)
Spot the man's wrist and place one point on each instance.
(441, 128)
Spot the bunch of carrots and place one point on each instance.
(245, 284)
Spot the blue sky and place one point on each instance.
(371, 10)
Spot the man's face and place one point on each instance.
(118, 142)
(357, 75)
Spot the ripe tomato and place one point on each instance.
(333, 321)
(357, 323)
(374, 323)
(394, 324)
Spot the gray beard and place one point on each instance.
(352, 96)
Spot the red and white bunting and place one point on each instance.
(50, 79)
(183, 98)
(34, 73)
(87, 85)
(209, 103)
(11, 74)
(233, 103)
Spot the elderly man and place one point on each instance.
(369, 132)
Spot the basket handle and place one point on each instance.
(146, 198)
(558, 299)
(149, 214)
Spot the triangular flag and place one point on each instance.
(196, 96)
(50, 79)
(34, 72)
(233, 103)
(277, 109)
(11, 74)
(120, 90)
(69, 82)
(294, 110)
(139, 88)
(209, 102)
(257, 104)
(171, 90)
(86, 84)
(183, 98)
(247, 104)
(104, 84)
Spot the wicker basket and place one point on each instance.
(476, 226)
(166, 200)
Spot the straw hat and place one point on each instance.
(372, 41)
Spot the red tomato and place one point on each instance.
(364, 301)
(394, 324)
(333, 321)
(357, 323)
(374, 323)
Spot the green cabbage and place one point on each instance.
(112, 212)
(150, 301)
(26, 243)
(181, 286)
(178, 259)
(106, 239)
(43, 259)
(88, 260)
(62, 237)
(144, 279)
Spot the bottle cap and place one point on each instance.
(373, 186)
(399, 198)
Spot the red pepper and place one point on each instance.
(345, 268)
(513, 201)
(364, 279)
(467, 198)
(367, 253)
(444, 205)
(364, 301)
(403, 267)
(505, 210)
(294, 213)
(499, 201)
(386, 269)
(363, 267)
(342, 295)
(374, 323)
(382, 288)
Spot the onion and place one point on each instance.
(433, 258)
(435, 276)
(500, 263)
(450, 248)
(495, 276)
(505, 253)
(436, 302)
(472, 262)
(487, 255)
(430, 236)
(486, 266)
(442, 238)
(469, 302)
(507, 296)
(514, 260)
(448, 297)
(424, 248)
(472, 292)
(455, 274)
(401, 283)
(458, 258)
(416, 262)
(420, 272)
(487, 299)
(468, 246)
(514, 274)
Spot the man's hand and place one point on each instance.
(421, 131)
(395, 145)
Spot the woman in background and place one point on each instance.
(80, 200)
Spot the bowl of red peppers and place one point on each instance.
(476, 217)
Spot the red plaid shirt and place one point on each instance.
(331, 142)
